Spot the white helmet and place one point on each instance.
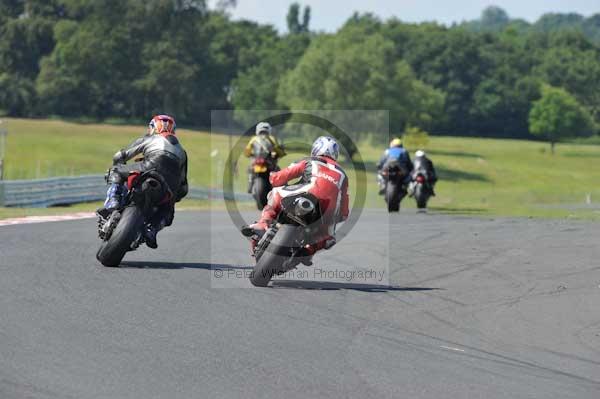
(263, 127)
(419, 154)
(325, 146)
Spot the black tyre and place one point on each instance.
(111, 252)
(260, 190)
(421, 196)
(271, 262)
(392, 197)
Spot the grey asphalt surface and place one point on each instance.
(477, 308)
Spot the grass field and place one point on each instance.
(477, 176)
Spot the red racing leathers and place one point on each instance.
(320, 176)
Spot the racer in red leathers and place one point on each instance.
(322, 177)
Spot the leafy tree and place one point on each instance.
(84, 65)
(127, 58)
(501, 104)
(17, 95)
(494, 19)
(223, 5)
(353, 71)
(167, 81)
(236, 49)
(256, 87)
(452, 62)
(23, 41)
(575, 70)
(557, 115)
(11, 8)
(502, 100)
(552, 22)
(293, 19)
(591, 28)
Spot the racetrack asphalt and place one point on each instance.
(474, 308)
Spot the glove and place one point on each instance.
(119, 157)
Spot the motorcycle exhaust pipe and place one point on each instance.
(303, 206)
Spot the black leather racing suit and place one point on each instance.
(163, 154)
(425, 165)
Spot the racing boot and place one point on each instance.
(152, 230)
(310, 249)
(253, 229)
(114, 196)
(150, 236)
(255, 232)
(381, 184)
(250, 182)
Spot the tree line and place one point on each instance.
(128, 59)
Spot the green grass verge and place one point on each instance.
(477, 176)
(185, 205)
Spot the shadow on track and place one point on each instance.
(180, 265)
(332, 286)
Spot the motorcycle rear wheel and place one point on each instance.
(111, 252)
(392, 196)
(275, 255)
(421, 196)
(260, 190)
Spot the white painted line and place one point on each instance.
(452, 349)
(45, 219)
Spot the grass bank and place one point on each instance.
(477, 176)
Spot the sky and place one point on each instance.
(329, 15)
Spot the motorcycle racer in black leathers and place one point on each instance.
(424, 165)
(162, 153)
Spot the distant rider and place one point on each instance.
(163, 153)
(263, 144)
(396, 153)
(321, 176)
(424, 165)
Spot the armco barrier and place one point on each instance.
(42, 193)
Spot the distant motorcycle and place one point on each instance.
(279, 249)
(261, 167)
(420, 188)
(393, 175)
(123, 229)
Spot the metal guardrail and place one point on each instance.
(42, 193)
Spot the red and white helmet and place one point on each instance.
(162, 124)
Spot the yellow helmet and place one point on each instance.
(397, 142)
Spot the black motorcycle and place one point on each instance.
(395, 190)
(421, 189)
(281, 248)
(261, 167)
(122, 230)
